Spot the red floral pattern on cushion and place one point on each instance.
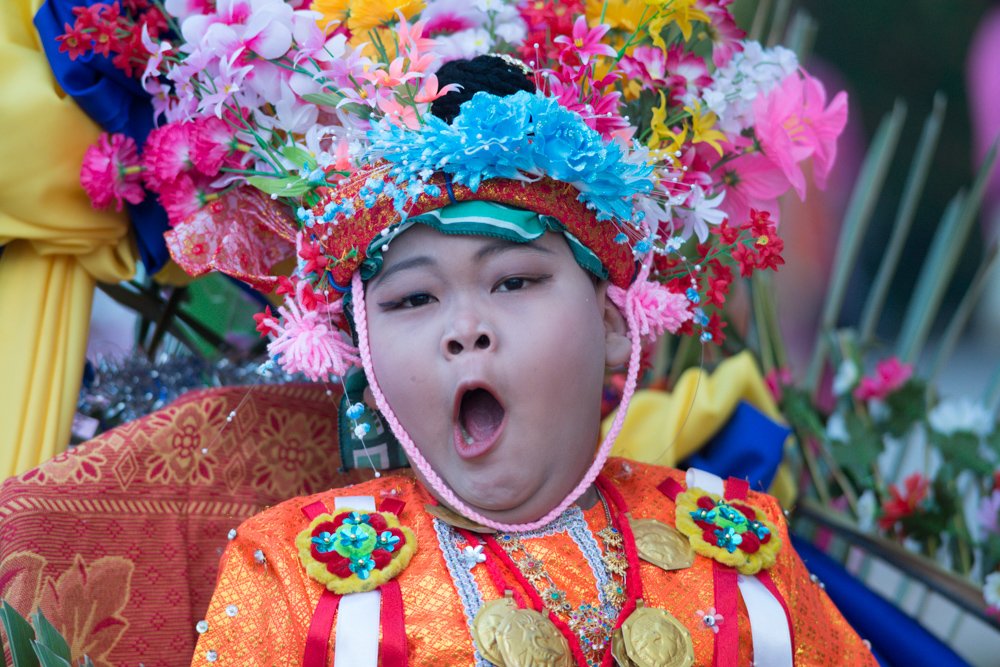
(118, 540)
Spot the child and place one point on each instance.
(485, 321)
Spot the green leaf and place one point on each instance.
(907, 406)
(291, 186)
(299, 156)
(49, 658)
(19, 637)
(861, 451)
(962, 450)
(324, 99)
(49, 637)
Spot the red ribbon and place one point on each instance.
(319, 630)
(727, 640)
(393, 649)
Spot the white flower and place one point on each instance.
(867, 506)
(836, 428)
(879, 411)
(991, 589)
(472, 556)
(753, 72)
(961, 415)
(464, 44)
(700, 212)
(846, 377)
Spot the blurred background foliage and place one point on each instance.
(906, 49)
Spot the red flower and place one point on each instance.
(746, 259)
(890, 375)
(111, 172)
(316, 259)
(266, 323)
(131, 55)
(105, 37)
(715, 326)
(900, 506)
(75, 41)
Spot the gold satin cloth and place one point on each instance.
(56, 247)
(275, 600)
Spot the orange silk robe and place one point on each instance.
(274, 601)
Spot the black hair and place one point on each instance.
(488, 74)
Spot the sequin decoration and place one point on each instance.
(733, 533)
(351, 551)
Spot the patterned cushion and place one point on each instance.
(118, 539)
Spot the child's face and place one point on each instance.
(492, 355)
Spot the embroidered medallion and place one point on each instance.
(662, 545)
(733, 533)
(351, 551)
(654, 638)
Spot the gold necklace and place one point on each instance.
(592, 624)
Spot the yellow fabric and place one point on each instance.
(665, 428)
(55, 248)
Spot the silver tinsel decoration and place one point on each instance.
(119, 390)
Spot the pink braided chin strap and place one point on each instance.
(439, 485)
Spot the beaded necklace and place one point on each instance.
(589, 628)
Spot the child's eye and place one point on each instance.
(414, 300)
(511, 284)
(515, 283)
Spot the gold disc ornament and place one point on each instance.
(486, 626)
(618, 651)
(654, 638)
(529, 639)
(663, 546)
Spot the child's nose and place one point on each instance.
(467, 334)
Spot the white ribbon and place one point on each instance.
(772, 639)
(359, 614)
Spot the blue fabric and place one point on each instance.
(896, 638)
(115, 102)
(749, 446)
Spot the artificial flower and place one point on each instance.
(903, 504)
(585, 42)
(890, 374)
(111, 172)
(961, 415)
(991, 589)
(989, 512)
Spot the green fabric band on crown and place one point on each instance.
(482, 218)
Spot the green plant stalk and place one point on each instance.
(760, 20)
(991, 397)
(945, 251)
(779, 22)
(801, 34)
(919, 170)
(963, 313)
(859, 213)
(680, 358)
(757, 288)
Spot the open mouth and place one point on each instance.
(478, 423)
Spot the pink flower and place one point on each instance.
(183, 196)
(586, 42)
(212, 142)
(651, 306)
(308, 341)
(889, 376)
(711, 619)
(399, 114)
(776, 380)
(429, 90)
(752, 181)
(111, 172)
(167, 154)
(793, 124)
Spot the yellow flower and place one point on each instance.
(364, 15)
(334, 12)
(663, 141)
(623, 14)
(681, 12)
(703, 128)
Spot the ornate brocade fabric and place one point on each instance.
(274, 598)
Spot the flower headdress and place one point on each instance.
(663, 162)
